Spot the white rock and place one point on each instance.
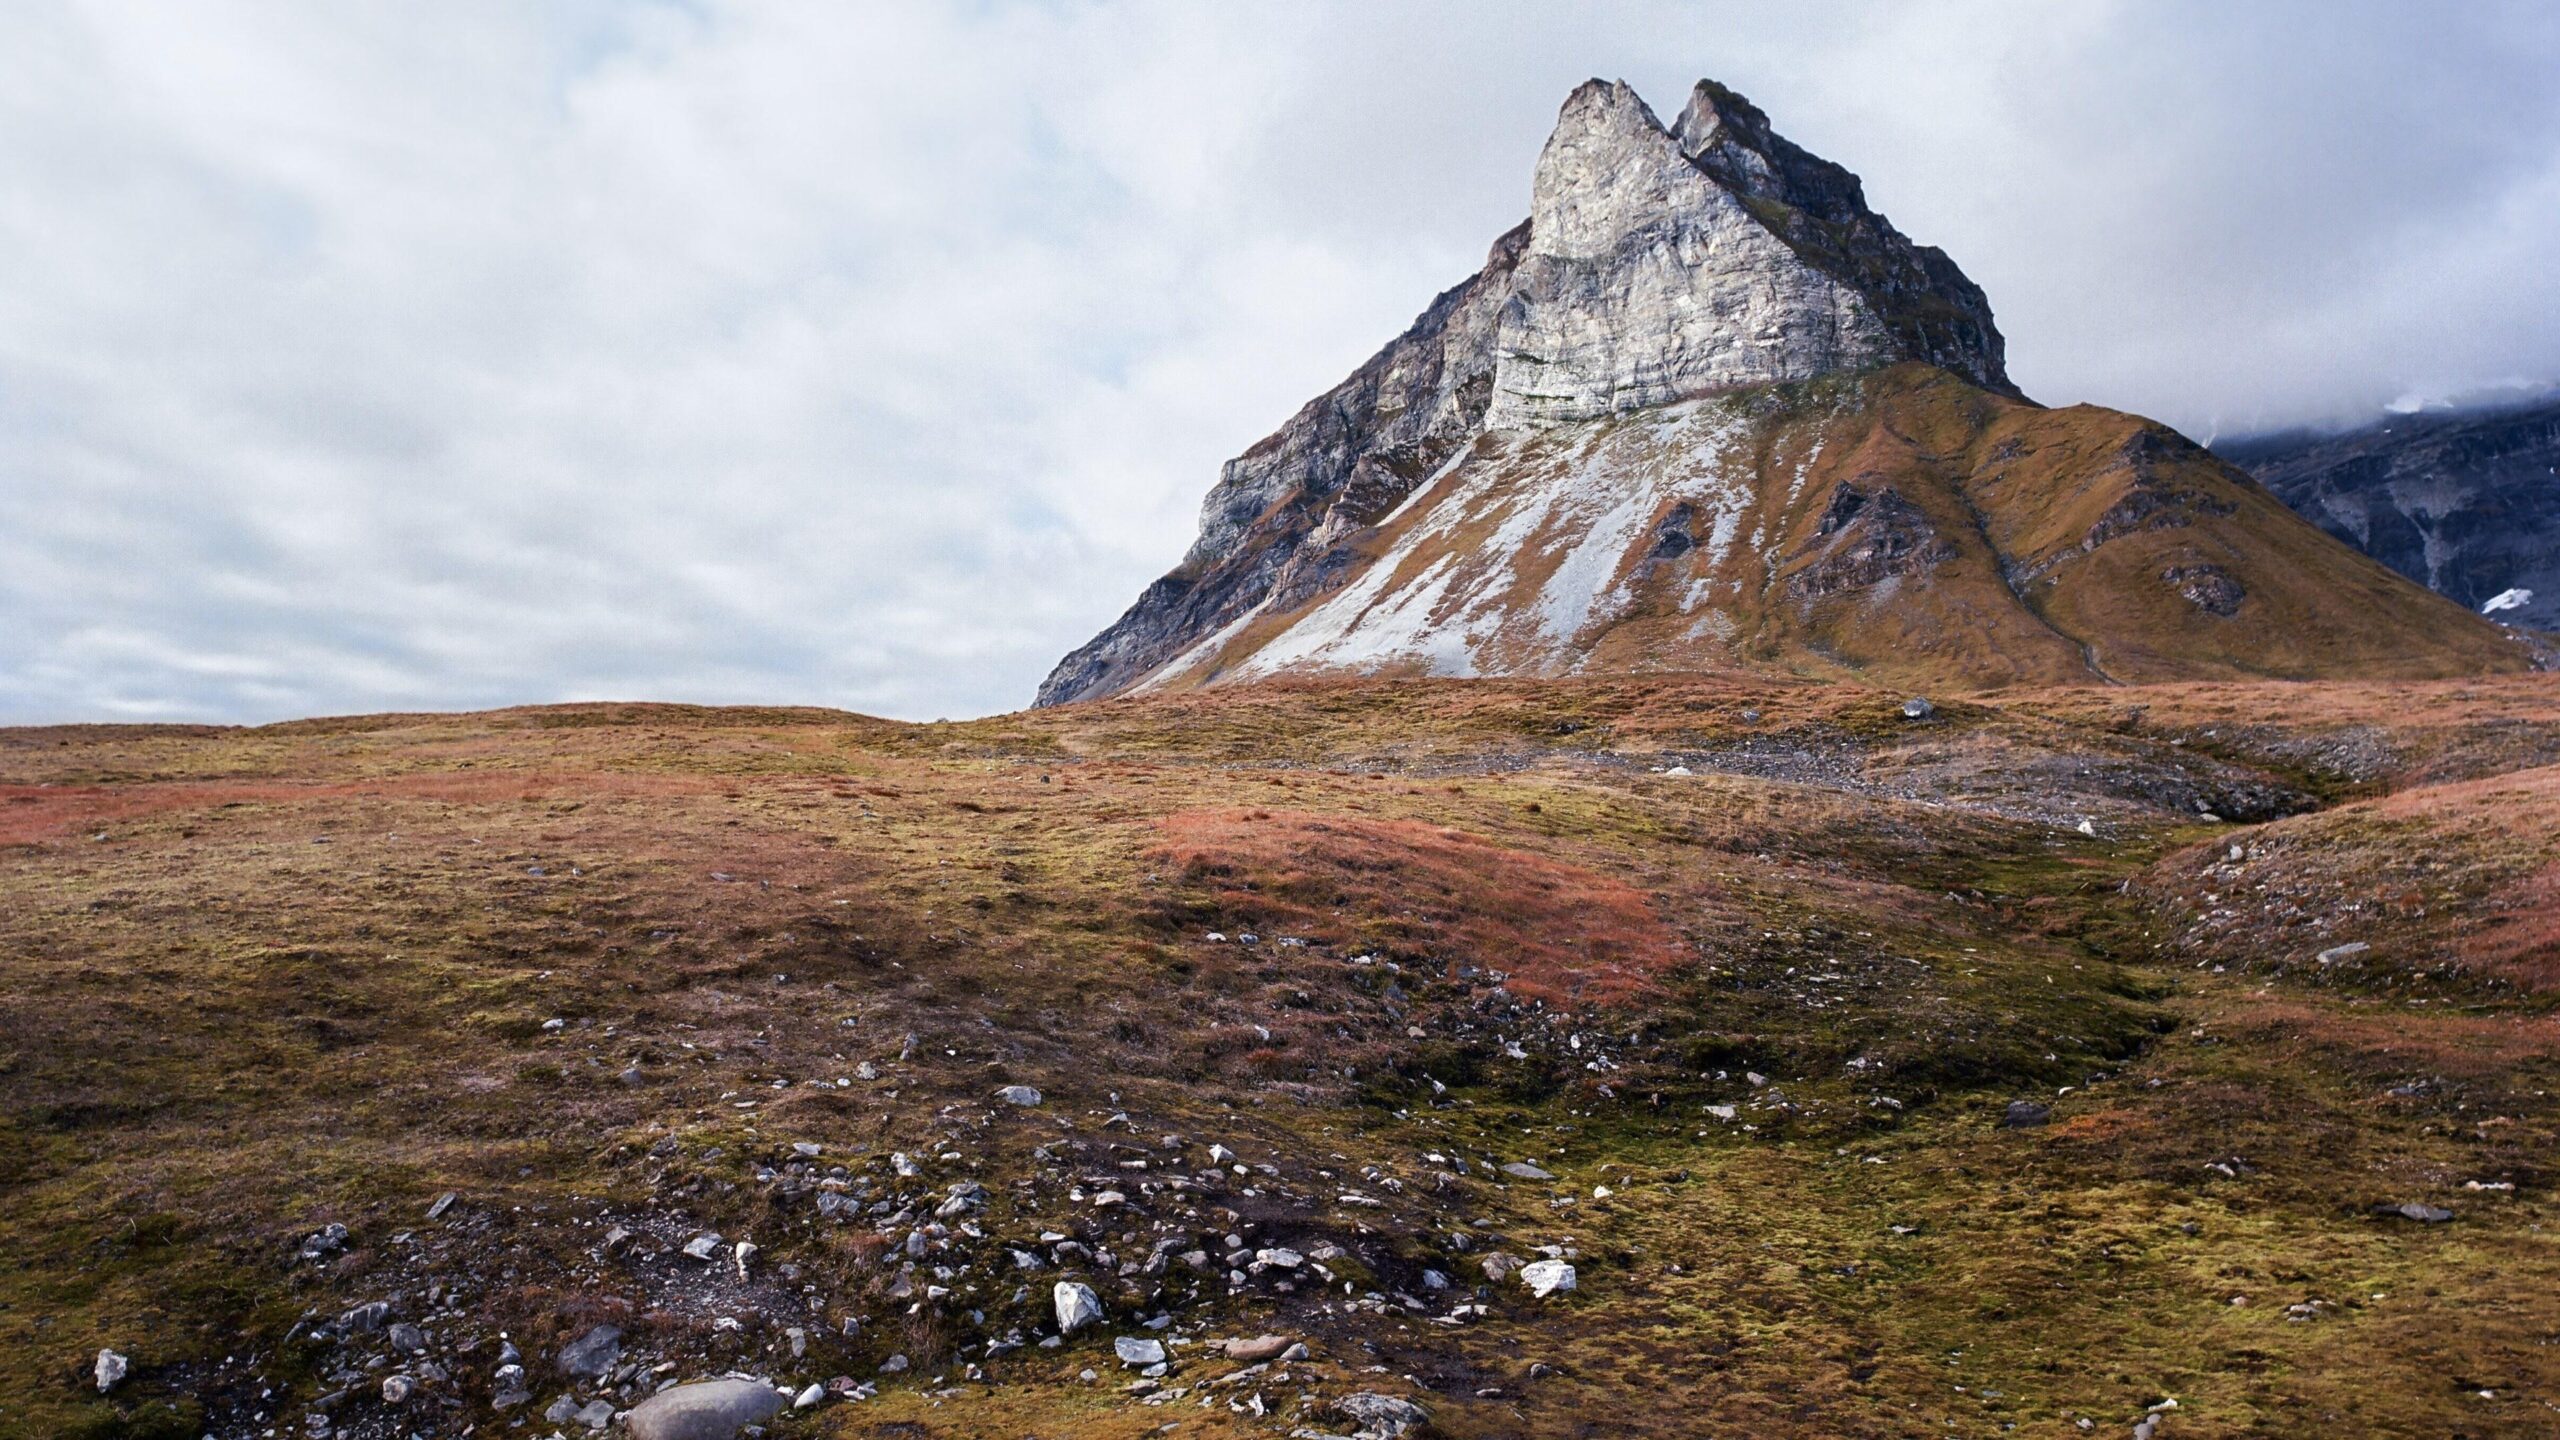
(808, 1397)
(1077, 1305)
(1547, 1277)
(111, 1370)
(1133, 1351)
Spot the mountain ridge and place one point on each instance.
(2465, 502)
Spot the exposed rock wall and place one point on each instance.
(2467, 505)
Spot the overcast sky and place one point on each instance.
(404, 356)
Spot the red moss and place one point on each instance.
(1563, 934)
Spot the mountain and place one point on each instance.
(1705, 408)
(2466, 504)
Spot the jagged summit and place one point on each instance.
(1706, 408)
(1663, 263)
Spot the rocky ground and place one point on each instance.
(1711, 1055)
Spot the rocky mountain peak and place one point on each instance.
(1659, 265)
(1713, 254)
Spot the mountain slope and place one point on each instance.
(1901, 523)
(1706, 408)
(2467, 504)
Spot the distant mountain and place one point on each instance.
(1705, 408)
(2466, 503)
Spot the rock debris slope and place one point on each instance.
(1705, 407)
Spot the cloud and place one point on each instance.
(363, 357)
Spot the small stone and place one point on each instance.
(746, 1257)
(1279, 1259)
(1076, 1304)
(1547, 1277)
(1917, 708)
(366, 1319)
(808, 1396)
(2022, 1114)
(396, 1389)
(1497, 1267)
(1133, 1351)
(2336, 953)
(1523, 1170)
(595, 1414)
(708, 1410)
(1022, 1095)
(2423, 1214)
(408, 1339)
(593, 1354)
(703, 1247)
(1257, 1349)
(111, 1370)
(894, 1365)
(442, 1203)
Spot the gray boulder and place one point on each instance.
(2023, 1114)
(709, 1410)
(593, 1353)
(1380, 1417)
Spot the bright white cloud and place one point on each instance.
(372, 356)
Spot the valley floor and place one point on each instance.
(2173, 1061)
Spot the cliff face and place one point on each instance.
(1656, 263)
(2467, 504)
(1705, 408)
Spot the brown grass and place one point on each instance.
(1560, 933)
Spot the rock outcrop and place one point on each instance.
(2465, 503)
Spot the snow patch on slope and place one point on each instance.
(2515, 599)
(1574, 503)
